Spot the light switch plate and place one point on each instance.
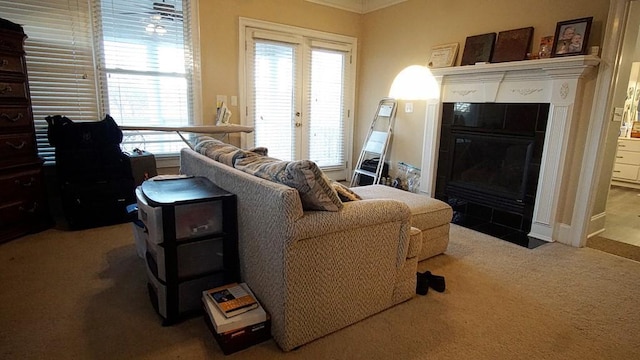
(408, 107)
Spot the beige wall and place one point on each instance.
(402, 35)
(389, 40)
(219, 38)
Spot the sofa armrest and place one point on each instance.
(355, 214)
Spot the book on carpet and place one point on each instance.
(232, 299)
(222, 324)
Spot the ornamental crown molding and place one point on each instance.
(358, 6)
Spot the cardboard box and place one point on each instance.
(240, 339)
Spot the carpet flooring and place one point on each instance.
(82, 295)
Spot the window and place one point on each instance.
(299, 93)
(145, 68)
(139, 76)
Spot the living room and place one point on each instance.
(508, 303)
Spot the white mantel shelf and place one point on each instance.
(561, 83)
(545, 65)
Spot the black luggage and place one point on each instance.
(94, 175)
(99, 203)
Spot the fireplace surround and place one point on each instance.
(559, 85)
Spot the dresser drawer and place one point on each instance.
(628, 157)
(11, 63)
(15, 117)
(629, 145)
(625, 171)
(13, 90)
(18, 211)
(17, 145)
(12, 43)
(20, 185)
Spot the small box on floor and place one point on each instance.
(237, 332)
(243, 338)
(143, 165)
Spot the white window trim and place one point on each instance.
(269, 26)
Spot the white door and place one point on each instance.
(299, 98)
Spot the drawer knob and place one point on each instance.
(30, 183)
(17, 147)
(4, 62)
(6, 89)
(30, 210)
(8, 117)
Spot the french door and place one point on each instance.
(299, 97)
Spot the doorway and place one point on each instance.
(299, 94)
(621, 201)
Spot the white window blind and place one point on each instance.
(326, 111)
(146, 68)
(274, 96)
(59, 52)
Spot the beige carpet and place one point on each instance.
(81, 295)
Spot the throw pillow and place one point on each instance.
(221, 152)
(316, 192)
(260, 150)
(344, 193)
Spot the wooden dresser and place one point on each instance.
(23, 205)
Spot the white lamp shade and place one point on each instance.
(415, 82)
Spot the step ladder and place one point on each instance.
(377, 141)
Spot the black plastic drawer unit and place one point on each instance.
(191, 242)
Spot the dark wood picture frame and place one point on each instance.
(478, 48)
(513, 45)
(571, 37)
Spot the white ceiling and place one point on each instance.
(358, 6)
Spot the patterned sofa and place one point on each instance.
(314, 271)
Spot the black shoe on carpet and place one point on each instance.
(422, 285)
(436, 282)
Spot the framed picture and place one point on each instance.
(478, 48)
(512, 45)
(571, 37)
(443, 55)
(546, 44)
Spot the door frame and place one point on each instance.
(601, 112)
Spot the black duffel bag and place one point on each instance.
(63, 133)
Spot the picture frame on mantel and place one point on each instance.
(571, 37)
(443, 55)
(512, 45)
(478, 49)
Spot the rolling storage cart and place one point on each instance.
(191, 242)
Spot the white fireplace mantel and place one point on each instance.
(559, 82)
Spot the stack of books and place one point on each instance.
(235, 317)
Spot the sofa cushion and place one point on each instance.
(344, 193)
(221, 151)
(316, 192)
(426, 212)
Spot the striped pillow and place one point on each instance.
(316, 192)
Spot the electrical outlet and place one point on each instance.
(234, 101)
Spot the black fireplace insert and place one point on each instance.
(489, 163)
